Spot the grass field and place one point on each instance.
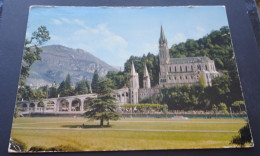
(127, 134)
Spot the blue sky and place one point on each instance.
(113, 34)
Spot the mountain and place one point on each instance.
(58, 61)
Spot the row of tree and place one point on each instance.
(65, 88)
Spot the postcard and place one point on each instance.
(128, 78)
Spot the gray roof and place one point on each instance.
(202, 59)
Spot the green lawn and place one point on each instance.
(127, 134)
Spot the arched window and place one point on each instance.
(206, 67)
(186, 68)
(175, 69)
(191, 68)
(199, 67)
(180, 68)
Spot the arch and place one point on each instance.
(40, 104)
(50, 105)
(206, 67)
(76, 104)
(175, 68)
(180, 69)
(64, 105)
(24, 107)
(32, 105)
(191, 68)
(186, 68)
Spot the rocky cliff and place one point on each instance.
(58, 61)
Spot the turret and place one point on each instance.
(146, 78)
(134, 85)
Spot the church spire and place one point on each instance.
(162, 39)
(146, 74)
(146, 79)
(133, 69)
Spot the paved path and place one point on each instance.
(139, 130)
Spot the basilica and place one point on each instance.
(173, 72)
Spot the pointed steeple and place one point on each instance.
(162, 39)
(146, 74)
(146, 79)
(133, 69)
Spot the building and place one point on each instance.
(173, 72)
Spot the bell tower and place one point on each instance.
(164, 57)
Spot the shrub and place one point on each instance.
(243, 137)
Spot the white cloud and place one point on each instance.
(99, 41)
(56, 22)
(66, 20)
(180, 37)
(79, 22)
(199, 32)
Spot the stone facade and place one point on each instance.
(183, 71)
(173, 72)
(63, 105)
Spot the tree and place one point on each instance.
(223, 108)
(25, 93)
(41, 104)
(243, 137)
(53, 92)
(81, 88)
(32, 51)
(103, 107)
(238, 104)
(220, 91)
(215, 109)
(94, 83)
(65, 88)
(61, 89)
(16, 112)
